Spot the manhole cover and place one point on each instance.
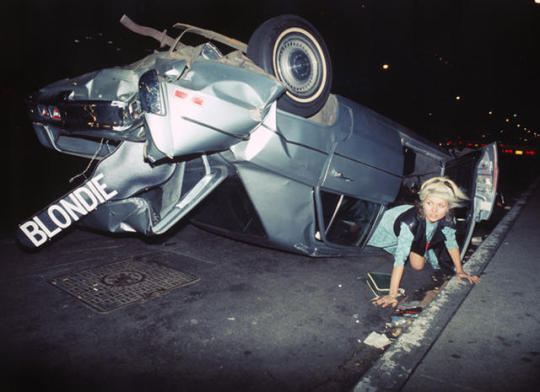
(123, 278)
(110, 286)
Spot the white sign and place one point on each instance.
(67, 210)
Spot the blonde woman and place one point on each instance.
(415, 233)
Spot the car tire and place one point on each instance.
(292, 50)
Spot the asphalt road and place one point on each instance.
(258, 319)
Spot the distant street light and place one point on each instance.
(385, 67)
(458, 98)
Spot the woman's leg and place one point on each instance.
(416, 275)
(417, 261)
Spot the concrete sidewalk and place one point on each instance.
(485, 338)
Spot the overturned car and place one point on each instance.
(251, 144)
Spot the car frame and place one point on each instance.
(240, 146)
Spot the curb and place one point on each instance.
(393, 369)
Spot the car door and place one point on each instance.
(476, 173)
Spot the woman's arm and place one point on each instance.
(456, 259)
(401, 253)
(391, 298)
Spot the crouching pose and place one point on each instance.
(417, 233)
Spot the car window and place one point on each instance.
(347, 220)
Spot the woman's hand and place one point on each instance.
(470, 278)
(385, 300)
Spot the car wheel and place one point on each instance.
(291, 49)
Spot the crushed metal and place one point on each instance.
(111, 286)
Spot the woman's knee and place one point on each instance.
(417, 261)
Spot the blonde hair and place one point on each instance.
(444, 188)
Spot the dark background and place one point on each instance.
(484, 51)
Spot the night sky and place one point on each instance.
(486, 52)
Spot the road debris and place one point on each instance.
(477, 240)
(377, 340)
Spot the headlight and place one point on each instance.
(49, 112)
(150, 93)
